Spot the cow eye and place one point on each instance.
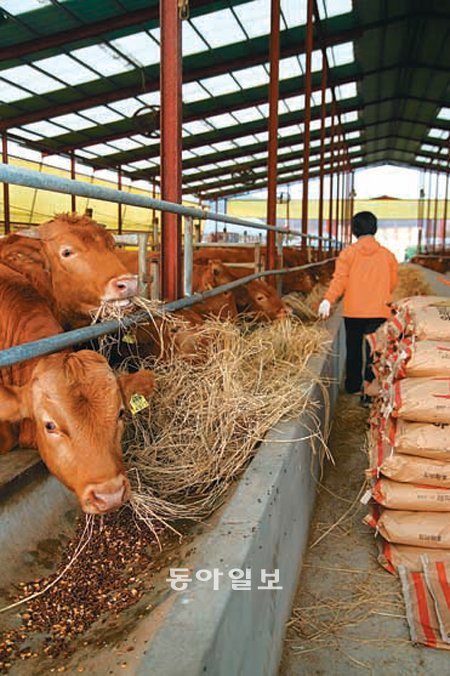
(50, 426)
(121, 413)
(66, 252)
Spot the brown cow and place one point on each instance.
(256, 296)
(73, 403)
(79, 257)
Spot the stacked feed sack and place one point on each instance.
(409, 439)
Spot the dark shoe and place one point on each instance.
(365, 400)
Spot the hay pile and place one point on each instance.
(411, 282)
(208, 414)
(306, 307)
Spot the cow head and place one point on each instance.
(85, 270)
(77, 405)
(266, 302)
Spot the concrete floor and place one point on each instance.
(348, 616)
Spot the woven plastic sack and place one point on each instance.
(428, 358)
(392, 556)
(433, 322)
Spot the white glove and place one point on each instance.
(324, 309)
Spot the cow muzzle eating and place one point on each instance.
(105, 497)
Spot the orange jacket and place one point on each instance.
(366, 273)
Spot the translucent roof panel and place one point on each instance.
(66, 69)
(72, 121)
(102, 114)
(426, 147)
(192, 41)
(220, 84)
(316, 61)
(289, 67)
(255, 17)
(44, 128)
(152, 98)
(247, 114)
(329, 8)
(127, 107)
(103, 59)
(193, 91)
(444, 114)
(341, 54)
(346, 91)
(125, 144)
(294, 12)
(222, 120)
(349, 117)
(352, 135)
(438, 133)
(196, 127)
(21, 6)
(101, 149)
(229, 31)
(252, 77)
(10, 93)
(32, 79)
(24, 134)
(140, 48)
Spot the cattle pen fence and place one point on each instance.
(43, 181)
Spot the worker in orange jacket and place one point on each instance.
(366, 275)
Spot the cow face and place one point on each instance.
(77, 406)
(85, 269)
(266, 302)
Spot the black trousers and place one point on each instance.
(355, 330)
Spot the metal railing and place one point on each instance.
(45, 346)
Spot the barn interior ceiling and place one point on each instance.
(83, 78)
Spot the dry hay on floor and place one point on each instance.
(411, 282)
(306, 307)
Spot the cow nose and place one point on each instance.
(107, 496)
(121, 287)
(284, 312)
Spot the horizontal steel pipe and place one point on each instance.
(41, 181)
(40, 348)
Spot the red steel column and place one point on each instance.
(73, 199)
(436, 197)
(322, 147)
(307, 117)
(171, 146)
(330, 210)
(428, 220)
(119, 205)
(273, 134)
(6, 205)
(444, 217)
(338, 189)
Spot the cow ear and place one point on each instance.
(13, 403)
(31, 233)
(142, 382)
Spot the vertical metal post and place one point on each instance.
(338, 189)
(307, 115)
(352, 206)
(188, 254)
(273, 133)
(344, 201)
(142, 263)
(330, 205)
(428, 221)
(171, 146)
(444, 217)
(436, 197)
(420, 212)
(73, 175)
(6, 204)
(119, 205)
(322, 149)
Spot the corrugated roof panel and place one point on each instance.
(103, 59)
(31, 79)
(255, 17)
(140, 48)
(219, 28)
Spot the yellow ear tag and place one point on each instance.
(138, 403)
(129, 338)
